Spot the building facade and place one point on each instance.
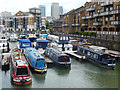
(55, 10)
(72, 21)
(100, 17)
(60, 10)
(43, 10)
(27, 21)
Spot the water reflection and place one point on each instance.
(62, 70)
(39, 78)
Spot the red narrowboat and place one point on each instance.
(20, 73)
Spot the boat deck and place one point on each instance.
(73, 53)
(114, 53)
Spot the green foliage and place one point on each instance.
(83, 33)
(47, 25)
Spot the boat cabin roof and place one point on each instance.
(56, 51)
(25, 40)
(42, 40)
(34, 53)
(96, 49)
(18, 58)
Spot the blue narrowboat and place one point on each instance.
(57, 57)
(97, 55)
(24, 43)
(36, 60)
(41, 43)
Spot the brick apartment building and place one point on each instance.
(100, 17)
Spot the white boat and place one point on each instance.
(13, 38)
(32, 37)
(62, 44)
(4, 45)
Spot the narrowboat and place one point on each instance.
(58, 57)
(4, 45)
(97, 55)
(62, 44)
(13, 38)
(24, 43)
(19, 71)
(36, 60)
(32, 37)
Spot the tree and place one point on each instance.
(47, 25)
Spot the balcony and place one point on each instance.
(84, 25)
(104, 13)
(115, 22)
(97, 23)
(88, 17)
(83, 17)
(96, 15)
(116, 11)
(106, 4)
(90, 9)
(75, 24)
(65, 25)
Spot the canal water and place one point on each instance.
(80, 75)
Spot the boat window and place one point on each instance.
(67, 48)
(40, 59)
(26, 44)
(95, 56)
(64, 58)
(83, 51)
(66, 38)
(22, 71)
(106, 56)
(88, 53)
(63, 38)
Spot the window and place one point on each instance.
(25, 44)
(111, 18)
(88, 53)
(22, 71)
(111, 8)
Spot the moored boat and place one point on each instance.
(32, 37)
(36, 60)
(5, 61)
(41, 43)
(62, 44)
(13, 38)
(24, 43)
(4, 45)
(19, 71)
(57, 57)
(97, 55)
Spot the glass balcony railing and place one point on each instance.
(115, 22)
(107, 3)
(97, 23)
(90, 9)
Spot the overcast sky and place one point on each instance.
(24, 5)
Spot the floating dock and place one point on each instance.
(73, 54)
(49, 62)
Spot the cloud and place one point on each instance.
(24, 5)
